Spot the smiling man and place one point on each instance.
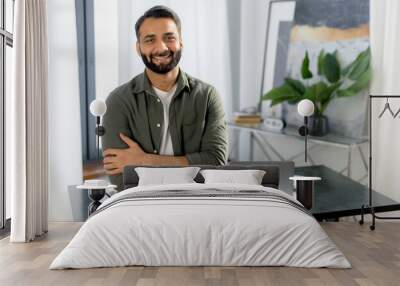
(163, 116)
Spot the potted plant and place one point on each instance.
(332, 81)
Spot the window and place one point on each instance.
(87, 88)
(6, 44)
(98, 62)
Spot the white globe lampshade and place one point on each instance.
(98, 107)
(305, 107)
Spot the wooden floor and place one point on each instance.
(375, 257)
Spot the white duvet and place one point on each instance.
(200, 231)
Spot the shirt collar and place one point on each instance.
(143, 83)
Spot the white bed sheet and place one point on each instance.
(200, 231)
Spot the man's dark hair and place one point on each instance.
(158, 12)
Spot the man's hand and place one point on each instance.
(116, 159)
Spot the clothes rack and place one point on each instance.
(370, 208)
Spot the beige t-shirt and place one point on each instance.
(166, 142)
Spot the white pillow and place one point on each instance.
(163, 176)
(248, 177)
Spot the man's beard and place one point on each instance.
(162, 68)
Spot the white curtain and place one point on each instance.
(385, 45)
(28, 116)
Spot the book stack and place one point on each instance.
(247, 118)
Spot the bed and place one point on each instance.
(198, 224)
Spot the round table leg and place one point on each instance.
(95, 195)
(305, 193)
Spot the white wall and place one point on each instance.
(106, 46)
(252, 35)
(65, 158)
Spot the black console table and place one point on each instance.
(338, 196)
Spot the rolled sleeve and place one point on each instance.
(115, 120)
(214, 143)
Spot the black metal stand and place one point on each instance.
(303, 131)
(100, 131)
(95, 195)
(370, 208)
(305, 138)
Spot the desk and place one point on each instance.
(256, 132)
(338, 196)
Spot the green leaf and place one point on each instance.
(280, 94)
(310, 93)
(360, 65)
(294, 101)
(326, 92)
(360, 57)
(320, 61)
(305, 68)
(334, 87)
(345, 93)
(315, 91)
(346, 70)
(361, 84)
(363, 81)
(329, 95)
(321, 94)
(281, 99)
(331, 68)
(320, 90)
(297, 85)
(277, 92)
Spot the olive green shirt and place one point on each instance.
(196, 120)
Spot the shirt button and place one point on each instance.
(158, 124)
(155, 151)
(158, 100)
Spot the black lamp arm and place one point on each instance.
(100, 131)
(303, 131)
(305, 138)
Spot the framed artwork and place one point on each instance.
(341, 26)
(279, 25)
